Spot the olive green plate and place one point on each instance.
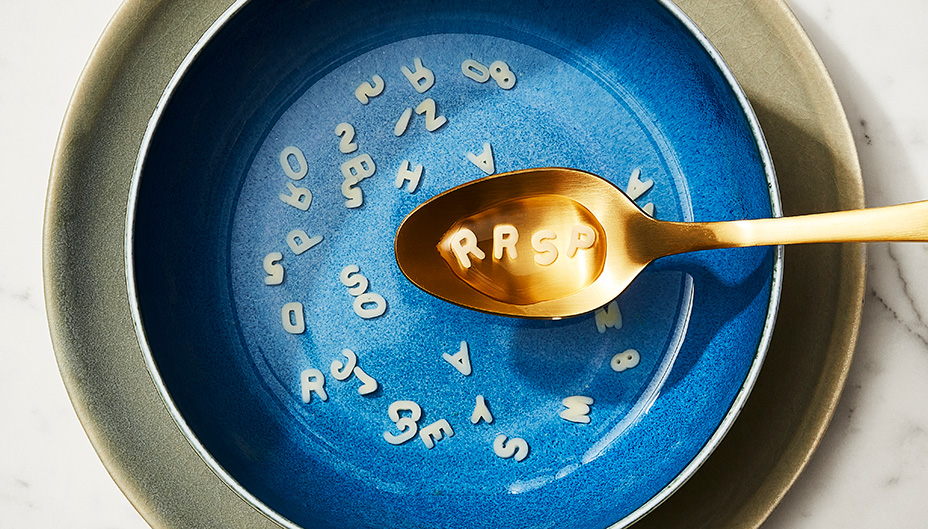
(172, 487)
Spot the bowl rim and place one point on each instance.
(722, 428)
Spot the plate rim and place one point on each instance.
(123, 32)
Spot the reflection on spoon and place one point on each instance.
(553, 242)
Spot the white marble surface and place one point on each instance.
(872, 468)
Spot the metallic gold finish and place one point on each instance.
(628, 239)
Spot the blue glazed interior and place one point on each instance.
(608, 87)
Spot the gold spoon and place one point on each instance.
(553, 243)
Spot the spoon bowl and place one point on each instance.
(531, 201)
(552, 242)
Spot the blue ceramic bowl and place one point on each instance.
(289, 147)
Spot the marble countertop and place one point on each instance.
(872, 467)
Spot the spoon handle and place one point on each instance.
(904, 222)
